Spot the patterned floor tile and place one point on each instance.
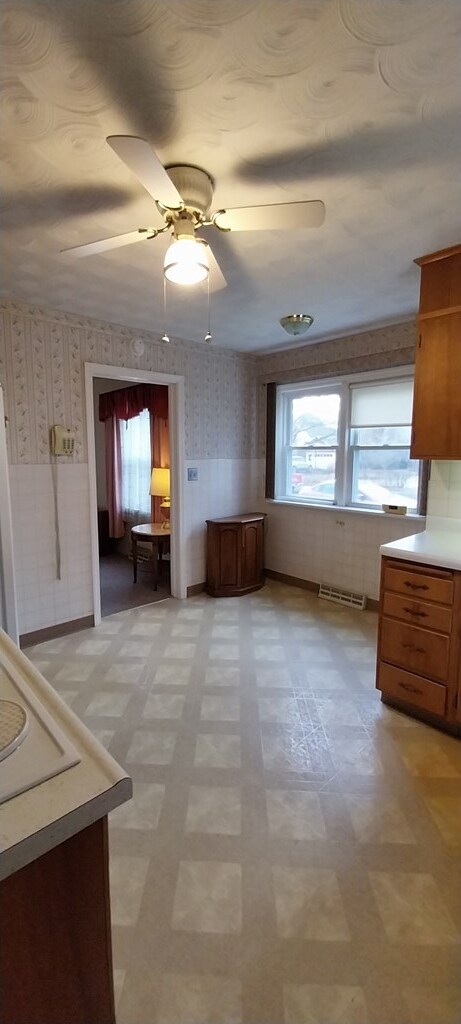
(222, 676)
(324, 1004)
(290, 852)
(308, 904)
(127, 881)
(214, 809)
(378, 821)
(411, 908)
(164, 705)
(208, 897)
(294, 814)
(220, 709)
(199, 999)
(151, 747)
(446, 812)
(108, 704)
(217, 751)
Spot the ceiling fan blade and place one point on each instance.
(281, 216)
(216, 278)
(141, 159)
(104, 244)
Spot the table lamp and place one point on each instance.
(160, 488)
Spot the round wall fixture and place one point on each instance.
(296, 323)
(137, 347)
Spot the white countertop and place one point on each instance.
(37, 820)
(439, 544)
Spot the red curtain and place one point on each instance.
(129, 402)
(114, 476)
(124, 404)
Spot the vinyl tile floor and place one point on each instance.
(291, 854)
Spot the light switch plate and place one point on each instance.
(192, 473)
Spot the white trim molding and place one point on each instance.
(175, 386)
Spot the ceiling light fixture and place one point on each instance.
(186, 262)
(296, 323)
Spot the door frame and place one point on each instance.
(175, 386)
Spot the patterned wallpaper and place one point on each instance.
(355, 353)
(42, 356)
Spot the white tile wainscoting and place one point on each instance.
(223, 487)
(339, 547)
(43, 599)
(307, 543)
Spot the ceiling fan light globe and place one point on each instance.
(186, 262)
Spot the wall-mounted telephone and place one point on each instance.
(62, 441)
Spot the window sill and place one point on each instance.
(350, 509)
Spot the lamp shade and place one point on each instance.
(160, 483)
(186, 262)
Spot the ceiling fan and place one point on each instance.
(183, 195)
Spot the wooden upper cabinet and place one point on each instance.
(436, 430)
(440, 280)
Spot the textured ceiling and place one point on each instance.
(355, 102)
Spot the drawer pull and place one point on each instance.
(411, 647)
(419, 615)
(409, 688)
(416, 586)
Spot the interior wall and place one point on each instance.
(42, 356)
(325, 545)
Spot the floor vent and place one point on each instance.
(346, 597)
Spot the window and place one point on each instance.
(347, 443)
(136, 464)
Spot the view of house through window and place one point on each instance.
(347, 443)
(136, 465)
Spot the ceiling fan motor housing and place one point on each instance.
(195, 188)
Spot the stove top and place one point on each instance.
(34, 747)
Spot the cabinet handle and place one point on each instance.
(416, 586)
(411, 647)
(420, 615)
(410, 688)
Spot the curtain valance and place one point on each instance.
(128, 402)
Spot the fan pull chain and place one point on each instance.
(208, 335)
(165, 337)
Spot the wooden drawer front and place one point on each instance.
(416, 649)
(406, 686)
(419, 613)
(418, 584)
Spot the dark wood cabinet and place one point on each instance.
(235, 555)
(418, 667)
(56, 962)
(436, 432)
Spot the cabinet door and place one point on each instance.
(224, 556)
(252, 553)
(436, 404)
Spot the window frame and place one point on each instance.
(344, 466)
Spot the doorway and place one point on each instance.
(110, 578)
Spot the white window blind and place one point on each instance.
(382, 404)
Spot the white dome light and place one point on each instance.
(296, 323)
(186, 262)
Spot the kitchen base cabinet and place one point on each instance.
(56, 957)
(418, 663)
(235, 555)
